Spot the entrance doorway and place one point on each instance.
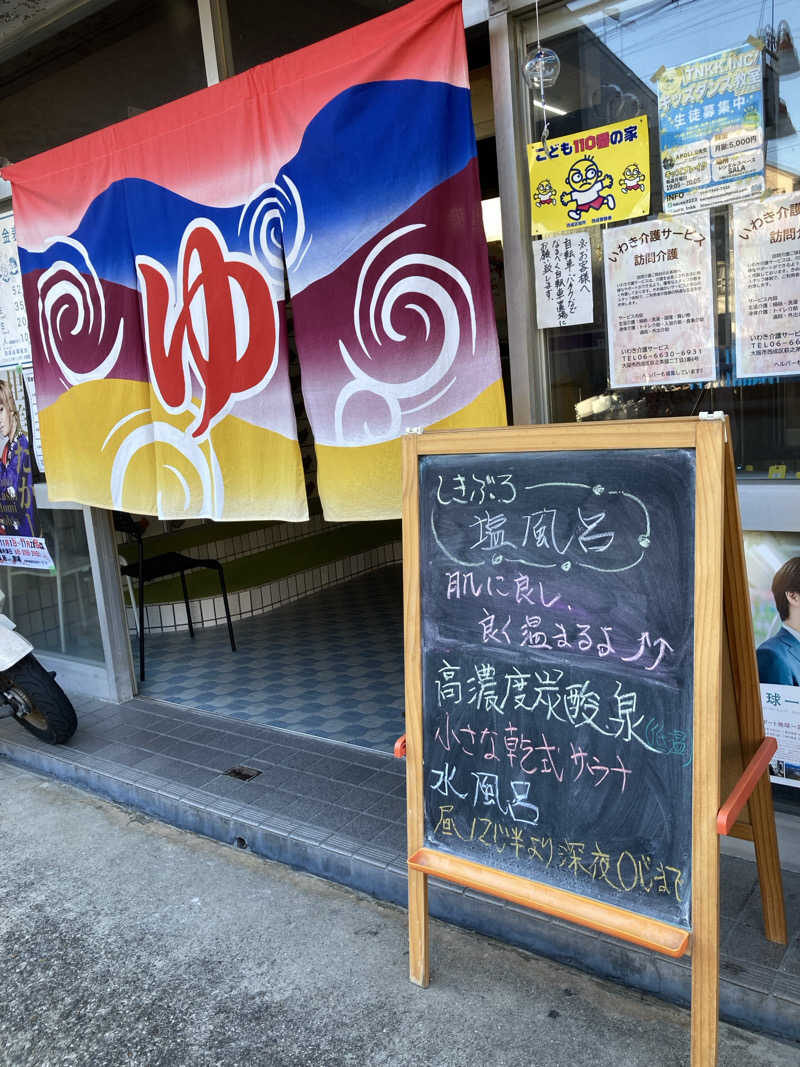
(317, 615)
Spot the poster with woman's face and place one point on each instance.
(773, 571)
(21, 542)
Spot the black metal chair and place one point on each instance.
(162, 565)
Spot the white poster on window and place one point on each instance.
(766, 260)
(659, 302)
(781, 706)
(15, 344)
(563, 270)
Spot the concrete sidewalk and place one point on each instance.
(126, 941)
(338, 811)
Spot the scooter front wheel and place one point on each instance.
(38, 702)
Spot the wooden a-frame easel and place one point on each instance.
(731, 753)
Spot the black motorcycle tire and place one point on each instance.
(38, 702)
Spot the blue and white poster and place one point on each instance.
(711, 123)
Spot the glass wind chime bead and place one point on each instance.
(542, 69)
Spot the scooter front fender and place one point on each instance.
(13, 646)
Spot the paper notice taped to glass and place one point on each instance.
(711, 124)
(563, 269)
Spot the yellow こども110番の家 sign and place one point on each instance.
(600, 175)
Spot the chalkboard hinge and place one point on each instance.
(714, 416)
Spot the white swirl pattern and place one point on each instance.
(386, 296)
(206, 467)
(64, 289)
(271, 213)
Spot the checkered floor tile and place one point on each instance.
(330, 665)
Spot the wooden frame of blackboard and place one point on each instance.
(728, 730)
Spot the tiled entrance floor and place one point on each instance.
(289, 670)
(339, 812)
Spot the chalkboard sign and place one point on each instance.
(557, 605)
(574, 691)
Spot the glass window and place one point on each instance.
(259, 31)
(57, 610)
(609, 53)
(124, 58)
(480, 84)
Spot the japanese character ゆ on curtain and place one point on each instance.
(155, 253)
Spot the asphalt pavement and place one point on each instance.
(126, 941)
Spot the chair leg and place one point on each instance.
(141, 611)
(227, 608)
(186, 602)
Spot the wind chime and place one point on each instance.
(541, 72)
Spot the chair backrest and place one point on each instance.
(124, 523)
